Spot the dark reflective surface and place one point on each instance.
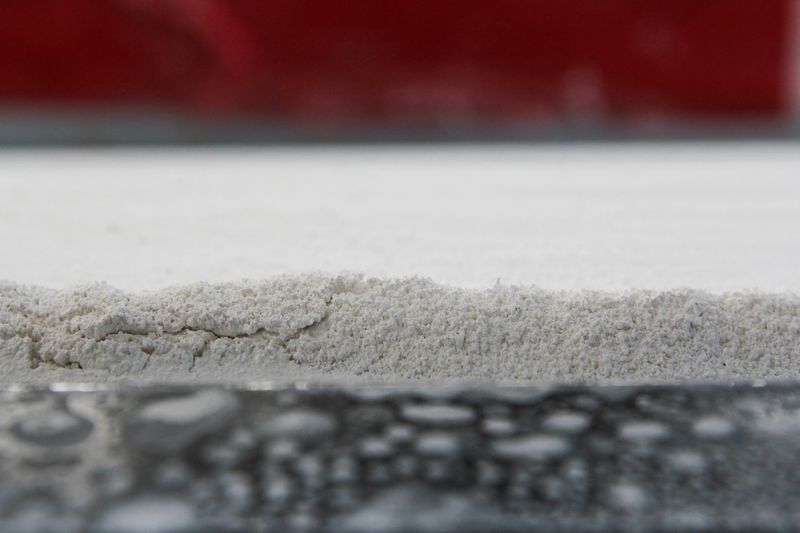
(671, 458)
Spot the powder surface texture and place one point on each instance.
(348, 327)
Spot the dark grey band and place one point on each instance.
(656, 458)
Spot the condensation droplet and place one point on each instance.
(567, 422)
(439, 415)
(438, 444)
(300, 424)
(498, 427)
(52, 428)
(148, 514)
(531, 447)
(643, 431)
(713, 427)
(687, 462)
(628, 496)
(172, 424)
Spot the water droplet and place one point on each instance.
(52, 428)
(147, 514)
(628, 496)
(222, 455)
(282, 450)
(343, 469)
(643, 431)
(172, 424)
(438, 415)
(498, 427)
(301, 424)
(310, 469)
(567, 422)
(531, 447)
(236, 491)
(375, 448)
(713, 427)
(189, 409)
(400, 433)
(278, 489)
(687, 462)
(438, 444)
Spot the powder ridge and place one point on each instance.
(350, 327)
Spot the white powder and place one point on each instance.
(348, 327)
(721, 217)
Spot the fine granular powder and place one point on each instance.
(348, 327)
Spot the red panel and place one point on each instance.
(407, 63)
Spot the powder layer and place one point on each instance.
(349, 327)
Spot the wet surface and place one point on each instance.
(667, 458)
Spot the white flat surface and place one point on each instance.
(717, 217)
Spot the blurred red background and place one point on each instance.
(415, 63)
